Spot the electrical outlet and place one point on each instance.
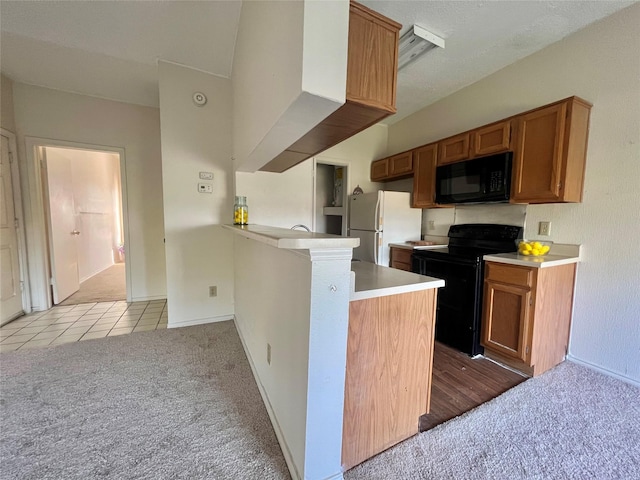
(268, 353)
(431, 225)
(213, 291)
(544, 228)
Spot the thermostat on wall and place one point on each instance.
(200, 99)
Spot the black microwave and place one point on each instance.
(484, 179)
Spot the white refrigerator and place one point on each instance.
(381, 218)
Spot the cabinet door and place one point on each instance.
(424, 176)
(491, 139)
(373, 58)
(379, 170)
(401, 164)
(538, 155)
(453, 149)
(505, 325)
(401, 258)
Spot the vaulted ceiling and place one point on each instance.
(110, 49)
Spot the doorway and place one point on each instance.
(14, 294)
(84, 219)
(330, 198)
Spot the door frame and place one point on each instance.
(346, 189)
(40, 256)
(19, 213)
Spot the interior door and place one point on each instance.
(10, 291)
(62, 228)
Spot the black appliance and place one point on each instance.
(460, 265)
(484, 179)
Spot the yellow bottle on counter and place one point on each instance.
(241, 211)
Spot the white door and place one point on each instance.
(62, 228)
(10, 291)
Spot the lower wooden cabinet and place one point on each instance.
(527, 314)
(401, 258)
(388, 376)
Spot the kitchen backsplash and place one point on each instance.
(436, 221)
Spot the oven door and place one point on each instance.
(459, 301)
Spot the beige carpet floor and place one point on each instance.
(107, 286)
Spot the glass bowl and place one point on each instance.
(533, 248)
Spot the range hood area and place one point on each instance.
(344, 79)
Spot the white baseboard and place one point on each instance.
(148, 299)
(603, 371)
(272, 416)
(199, 321)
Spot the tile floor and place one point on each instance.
(81, 322)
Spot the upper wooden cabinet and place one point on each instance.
(454, 149)
(550, 153)
(493, 138)
(380, 170)
(372, 61)
(549, 144)
(424, 176)
(392, 168)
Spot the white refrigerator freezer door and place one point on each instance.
(401, 222)
(368, 251)
(364, 211)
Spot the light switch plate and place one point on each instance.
(206, 175)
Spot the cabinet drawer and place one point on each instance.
(512, 275)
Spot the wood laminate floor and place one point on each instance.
(461, 383)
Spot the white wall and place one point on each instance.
(286, 199)
(283, 299)
(95, 179)
(7, 117)
(196, 139)
(600, 64)
(51, 114)
(289, 73)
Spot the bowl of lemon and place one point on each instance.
(533, 248)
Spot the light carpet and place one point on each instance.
(183, 404)
(171, 404)
(570, 423)
(107, 286)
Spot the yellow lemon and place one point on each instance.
(535, 252)
(525, 252)
(545, 249)
(537, 245)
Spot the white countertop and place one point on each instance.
(292, 239)
(410, 246)
(373, 280)
(536, 262)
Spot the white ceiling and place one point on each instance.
(109, 49)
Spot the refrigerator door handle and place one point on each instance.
(375, 248)
(377, 216)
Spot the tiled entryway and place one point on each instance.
(81, 322)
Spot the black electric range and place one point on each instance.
(460, 265)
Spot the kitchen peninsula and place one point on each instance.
(305, 319)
